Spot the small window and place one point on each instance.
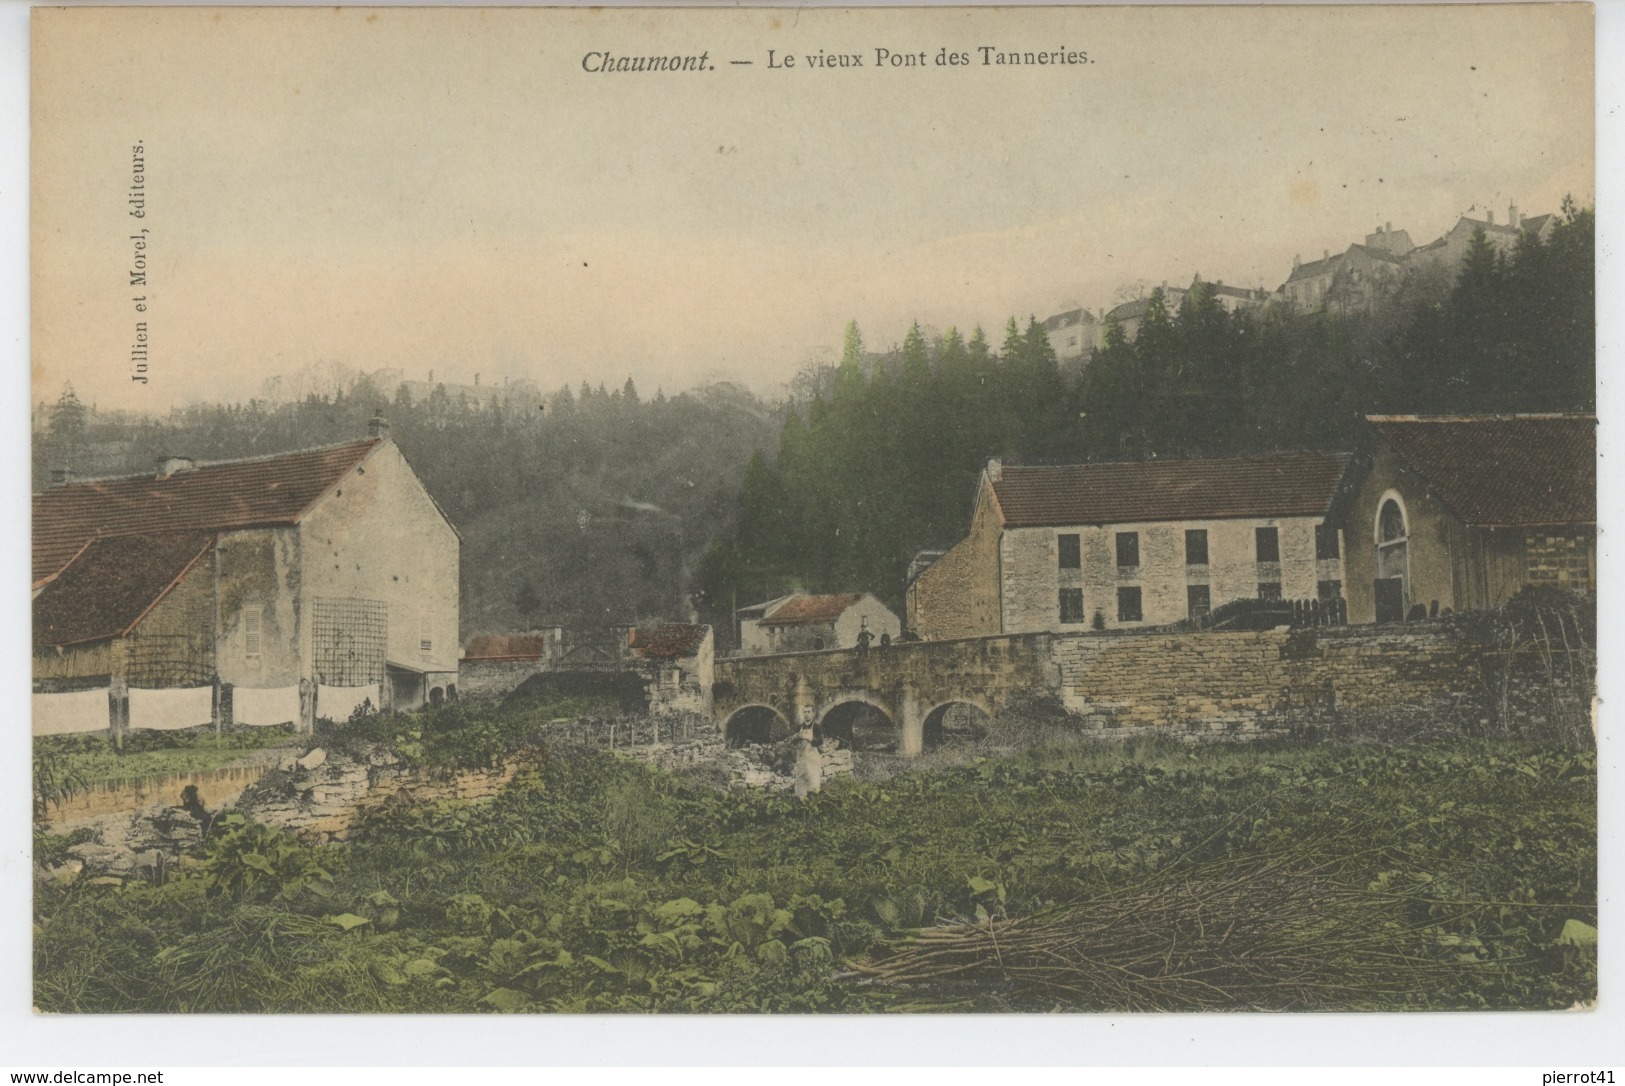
(1128, 603)
(1128, 548)
(426, 646)
(1071, 552)
(1328, 590)
(253, 627)
(1269, 590)
(1326, 545)
(1198, 600)
(1196, 547)
(1071, 605)
(1268, 541)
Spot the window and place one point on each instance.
(1071, 552)
(1268, 541)
(1325, 541)
(1071, 605)
(1198, 600)
(1393, 564)
(1128, 603)
(1128, 549)
(1196, 547)
(1328, 590)
(1269, 590)
(253, 628)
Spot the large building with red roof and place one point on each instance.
(1460, 512)
(327, 569)
(1074, 547)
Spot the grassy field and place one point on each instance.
(1075, 876)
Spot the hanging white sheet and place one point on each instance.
(260, 707)
(66, 714)
(336, 703)
(171, 709)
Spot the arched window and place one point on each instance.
(1392, 587)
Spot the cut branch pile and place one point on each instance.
(1264, 935)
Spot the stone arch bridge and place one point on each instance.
(1192, 685)
(912, 684)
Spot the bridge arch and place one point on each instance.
(755, 724)
(860, 721)
(957, 720)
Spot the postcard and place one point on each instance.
(957, 510)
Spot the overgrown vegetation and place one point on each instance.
(1456, 875)
(76, 762)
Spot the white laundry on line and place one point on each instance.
(336, 703)
(172, 708)
(271, 705)
(65, 714)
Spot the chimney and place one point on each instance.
(1297, 262)
(1489, 217)
(1325, 254)
(431, 377)
(476, 380)
(995, 470)
(61, 476)
(174, 465)
(1388, 228)
(378, 427)
(1514, 219)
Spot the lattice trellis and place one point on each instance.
(351, 638)
(163, 660)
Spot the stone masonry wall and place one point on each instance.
(493, 680)
(326, 798)
(216, 788)
(1252, 684)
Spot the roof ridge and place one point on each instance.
(205, 465)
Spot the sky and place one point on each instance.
(451, 191)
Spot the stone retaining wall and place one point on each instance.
(328, 798)
(1257, 683)
(216, 788)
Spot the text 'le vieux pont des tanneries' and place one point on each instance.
(874, 58)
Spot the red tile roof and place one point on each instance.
(506, 647)
(234, 494)
(671, 641)
(1282, 485)
(812, 610)
(1507, 471)
(111, 584)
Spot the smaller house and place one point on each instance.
(1460, 512)
(676, 661)
(806, 623)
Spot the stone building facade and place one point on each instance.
(1460, 512)
(327, 568)
(1071, 548)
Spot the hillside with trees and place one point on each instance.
(608, 507)
(593, 512)
(883, 459)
